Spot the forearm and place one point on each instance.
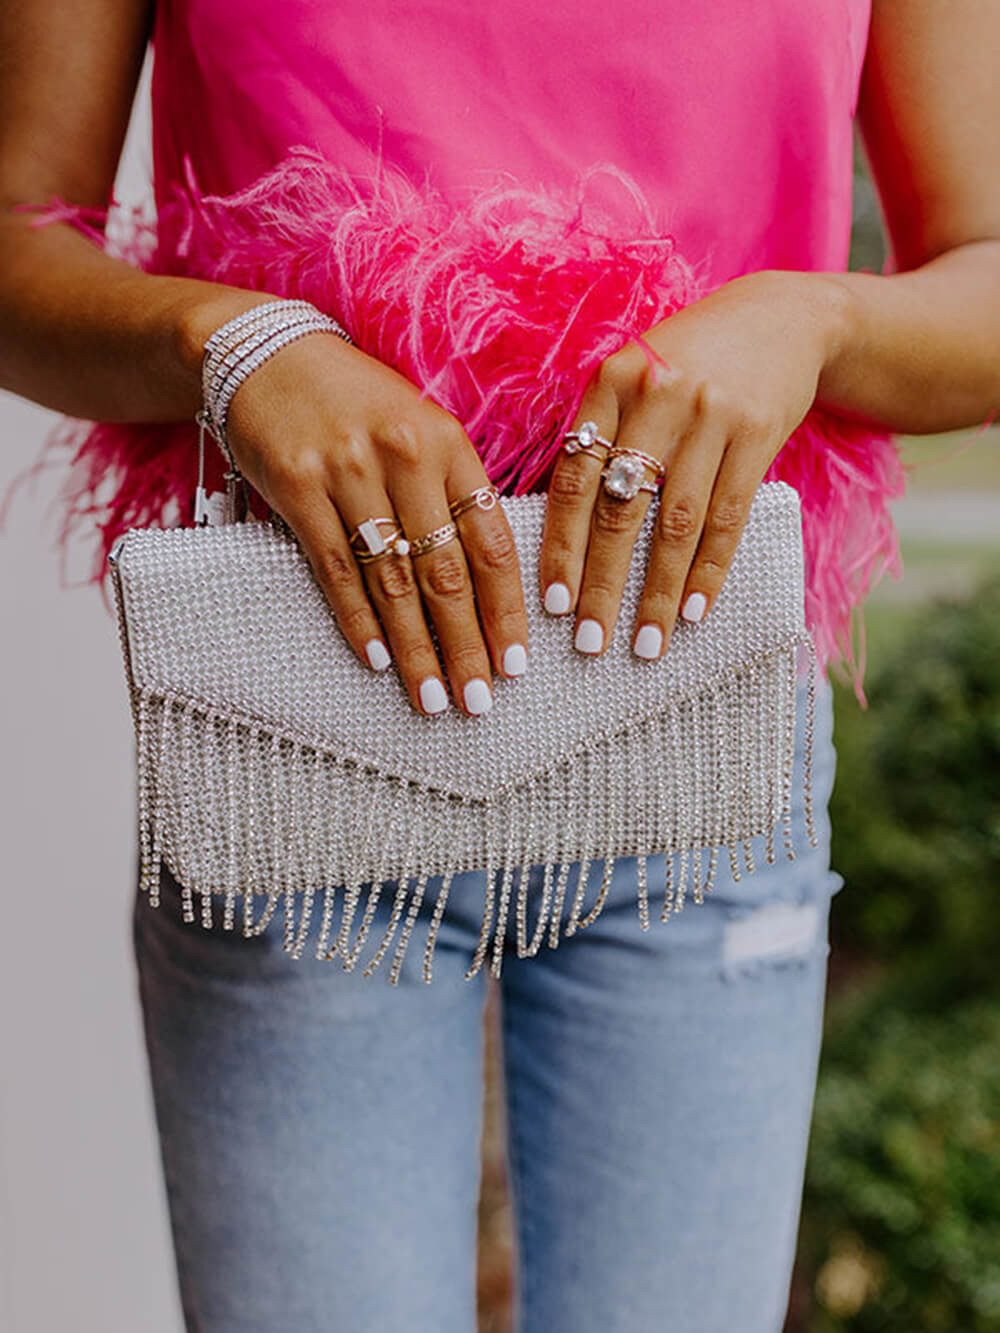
(93, 337)
(916, 352)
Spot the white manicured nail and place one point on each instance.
(433, 698)
(694, 607)
(557, 599)
(648, 641)
(589, 637)
(477, 696)
(515, 660)
(377, 654)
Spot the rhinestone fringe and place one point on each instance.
(235, 811)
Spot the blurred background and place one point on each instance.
(901, 1218)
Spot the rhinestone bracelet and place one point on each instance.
(242, 345)
(249, 357)
(242, 327)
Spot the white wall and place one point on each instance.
(84, 1244)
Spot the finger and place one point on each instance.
(322, 536)
(729, 508)
(393, 589)
(496, 572)
(680, 518)
(572, 491)
(616, 519)
(446, 589)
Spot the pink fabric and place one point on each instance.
(734, 118)
(494, 197)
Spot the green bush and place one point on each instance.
(901, 1213)
(901, 1219)
(916, 810)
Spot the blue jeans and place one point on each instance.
(320, 1132)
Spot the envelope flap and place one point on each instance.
(232, 619)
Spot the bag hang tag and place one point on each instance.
(216, 508)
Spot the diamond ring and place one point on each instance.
(583, 439)
(624, 471)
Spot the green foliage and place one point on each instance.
(901, 1222)
(901, 1215)
(916, 810)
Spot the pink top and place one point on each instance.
(734, 118)
(495, 196)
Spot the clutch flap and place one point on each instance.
(231, 620)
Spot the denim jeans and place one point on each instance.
(321, 1132)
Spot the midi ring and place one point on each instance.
(484, 497)
(377, 544)
(623, 474)
(431, 540)
(583, 439)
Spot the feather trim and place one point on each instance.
(499, 308)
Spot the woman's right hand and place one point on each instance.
(329, 437)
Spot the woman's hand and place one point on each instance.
(331, 437)
(739, 372)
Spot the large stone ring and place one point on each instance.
(583, 439)
(624, 473)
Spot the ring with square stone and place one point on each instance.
(623, 473)
(370, 541)
(583, 439)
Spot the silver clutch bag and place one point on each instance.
(272, 764)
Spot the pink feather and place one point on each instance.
(499, 308)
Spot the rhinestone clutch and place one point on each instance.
(273, 765)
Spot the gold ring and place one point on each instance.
(484, 497)
(431, 540)
(369, 542)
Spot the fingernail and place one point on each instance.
(377, 654)
(694, 607)
(648, 642)
(477, 696)
(589, 637)
(433, 698)
(515, 660)
(557, 599)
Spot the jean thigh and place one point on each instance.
(319, 1132)
(659, 1090)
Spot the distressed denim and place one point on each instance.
(321, 1132)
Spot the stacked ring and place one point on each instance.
(654, 464)
(583, 439)
(623, 473)
(484, 497)
(431, 540)
(369, 542)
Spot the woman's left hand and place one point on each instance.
(740, 370)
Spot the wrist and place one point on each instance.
(824, 305)
(196, 320)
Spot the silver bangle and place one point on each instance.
(242, 345)
(251, 356)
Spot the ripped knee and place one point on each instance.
(775, 933)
